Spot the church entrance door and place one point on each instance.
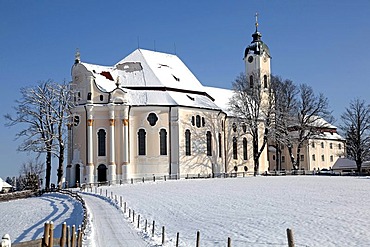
(102, 173)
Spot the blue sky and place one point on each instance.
(322, 43)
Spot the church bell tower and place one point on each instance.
(257, 61)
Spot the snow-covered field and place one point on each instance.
(255, 211)
(24, 219)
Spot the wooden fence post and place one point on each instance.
(46, 234)
(106, 193)
(120, 201)
(51, 234)
(153, 228)
(198, 239)
(146, 225)
(228, 242)
(73, 236)
(124, 211)
(163, 235)
(62, 241)
(290, 237)
(133, 215)
(79, 237)
(68, 237)
(138, 221)
(177, 239)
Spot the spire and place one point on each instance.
(256, 15)
(256, 35)
(77, 56)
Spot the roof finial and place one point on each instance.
(256, 15)
(77, 56)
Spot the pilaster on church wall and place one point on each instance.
(79, 136)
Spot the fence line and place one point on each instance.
(143, 225)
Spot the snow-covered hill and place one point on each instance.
(254, 211)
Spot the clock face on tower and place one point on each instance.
(250, 59)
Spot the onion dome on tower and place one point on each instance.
(257, 46)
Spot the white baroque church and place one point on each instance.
(149, 115)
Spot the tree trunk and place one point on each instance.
(60, 165)
(48, 169)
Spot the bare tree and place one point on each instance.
(356, 125)
(45, 110)
(33, 110)
(60, 106)
(308, 121)
(254, 106)
(285, 95)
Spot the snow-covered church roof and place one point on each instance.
(153, 78)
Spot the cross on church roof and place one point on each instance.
(256, 15)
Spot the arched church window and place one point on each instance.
(163, 142)
(235, 148)
(203, 122)
(219, 145)
(209, 143)
(192, 120)
(141, 141)
(152, 119)
(101, 142)
(251, 81)
(187, 143)
(101, 97)
(265, 81)
(88, 96)
(245, 149)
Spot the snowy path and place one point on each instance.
(110, 228)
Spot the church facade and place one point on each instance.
(149, 115)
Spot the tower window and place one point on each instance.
(88, 96)
(209, 143)
(141, 141)
(234, 127)
(101, 97)
(235, 148)
(101, 142)
(265, 81)
(251, 81)
(163, 142)
(313, 157)
(187, 143)
(197, 121)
